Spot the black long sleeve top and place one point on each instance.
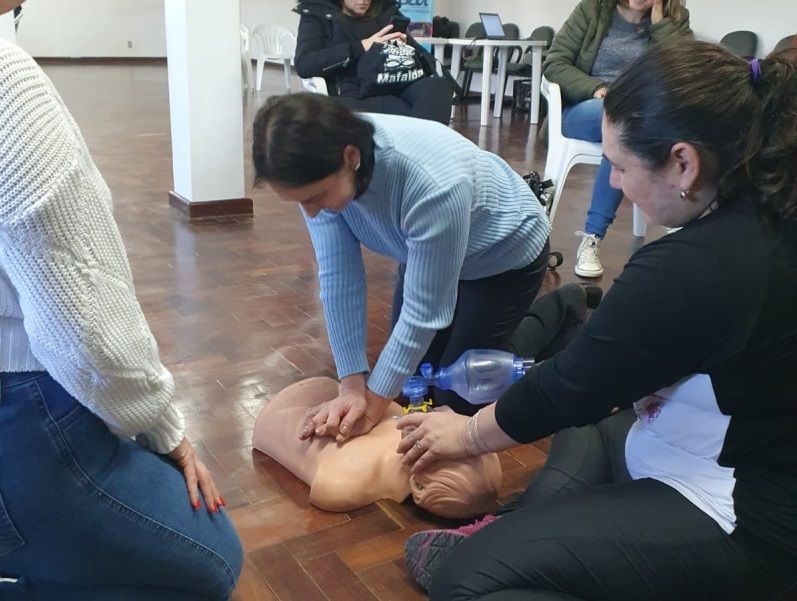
(699, 335)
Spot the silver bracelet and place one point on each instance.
(470, 439)
(478, 437)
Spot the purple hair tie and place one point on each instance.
(755, 70)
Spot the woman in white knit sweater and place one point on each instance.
(86, 512)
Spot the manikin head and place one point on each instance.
(459, 489)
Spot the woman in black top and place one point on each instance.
(689, 491)
(335, 34)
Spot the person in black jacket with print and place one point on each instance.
(335, 34)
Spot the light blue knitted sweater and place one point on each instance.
(447, 209)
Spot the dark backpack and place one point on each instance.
(440, 27)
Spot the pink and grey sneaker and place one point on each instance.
(425, 551)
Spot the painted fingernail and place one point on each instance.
(223, 503)
(196, 504)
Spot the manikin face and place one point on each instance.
(356, 8)
(655, 192)
(9, 5)
(332, 193)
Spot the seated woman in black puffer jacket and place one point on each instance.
(335, 34)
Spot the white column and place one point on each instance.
(7, 27)
(203, 46)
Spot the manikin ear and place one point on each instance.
(351, 158)
(685, 166)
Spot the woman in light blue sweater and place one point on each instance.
(473, 239)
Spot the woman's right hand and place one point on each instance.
(600, 92)
(347, 415)
(382, 36)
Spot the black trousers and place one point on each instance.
(428, 98)
(487, 312)
(583, 530)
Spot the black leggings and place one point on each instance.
(428, 98)
(584, 530)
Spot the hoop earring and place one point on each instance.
(357, 167)
(684, 195)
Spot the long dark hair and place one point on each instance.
(740, 116)
(299, 139)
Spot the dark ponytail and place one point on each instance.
(769, 162)
(298, 139)
(741, 118)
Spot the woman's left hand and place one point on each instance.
(431, 437)
(197, 477)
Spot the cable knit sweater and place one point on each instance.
(67, 303)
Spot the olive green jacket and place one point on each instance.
(575, 47)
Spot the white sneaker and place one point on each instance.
(588, 263)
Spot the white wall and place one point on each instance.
(106, 28)
(711, 19)
(269, 11)
(76, 28)
(7, 27)
(772, 20)
(527, 14)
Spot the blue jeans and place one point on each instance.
(87, 516)
(583, 122)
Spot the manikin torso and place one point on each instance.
(367, 468)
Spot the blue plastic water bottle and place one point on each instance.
(479, 375)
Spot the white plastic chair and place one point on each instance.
(316, 85)
(246, 57)
(565, 153)
(273, 44)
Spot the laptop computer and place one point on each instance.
(493, 28)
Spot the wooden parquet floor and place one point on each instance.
(234, 306)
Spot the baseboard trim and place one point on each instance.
(101, 60)
(213, 208)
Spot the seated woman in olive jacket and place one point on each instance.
(598, 41)
(335, 34)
